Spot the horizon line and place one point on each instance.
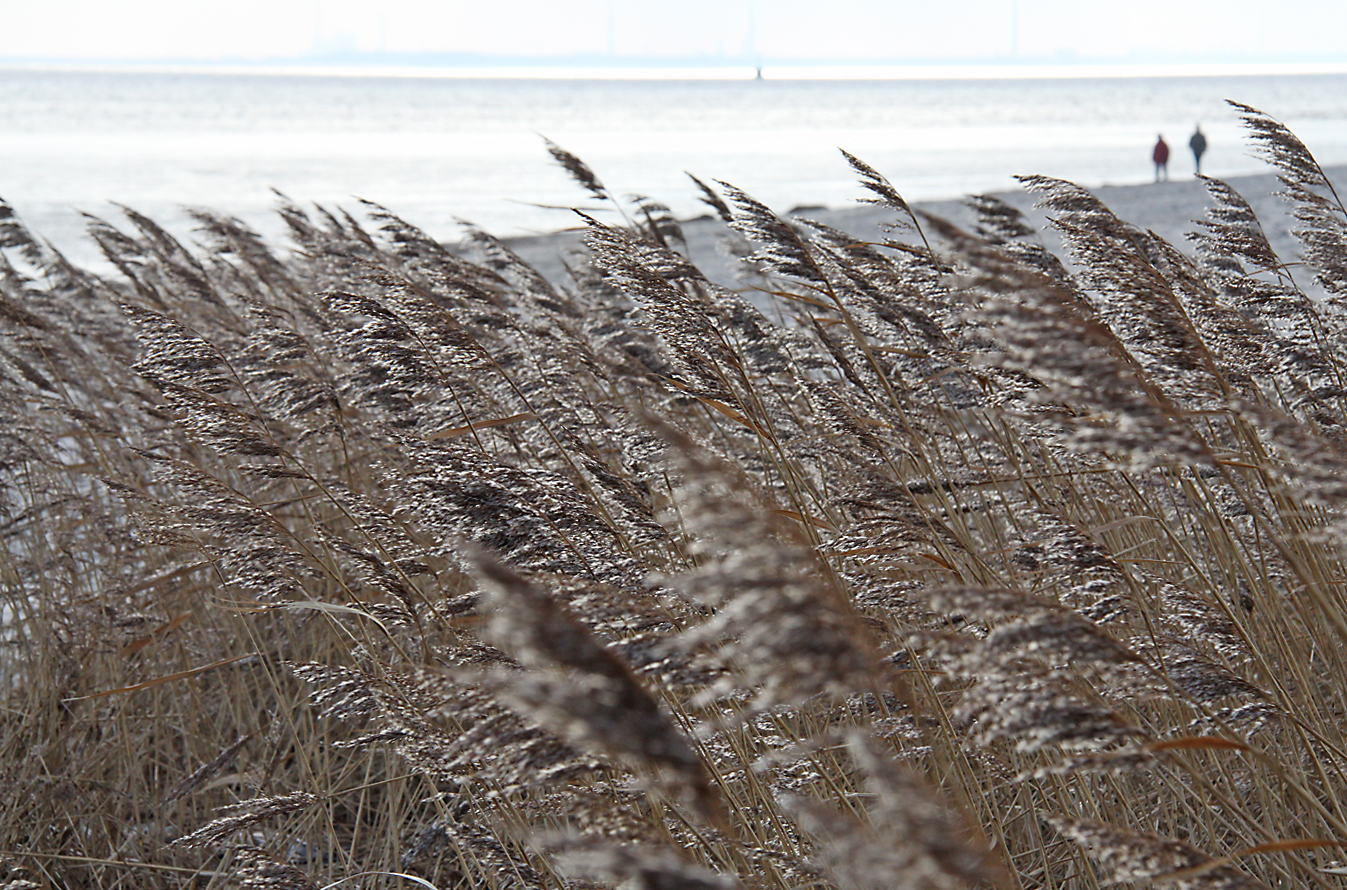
(795, 72)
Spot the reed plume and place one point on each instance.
(943, 560)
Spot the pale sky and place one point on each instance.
(709, 31)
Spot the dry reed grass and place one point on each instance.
(376, 563)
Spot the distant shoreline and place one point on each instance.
(728, 71)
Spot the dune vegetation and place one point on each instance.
(943, 562)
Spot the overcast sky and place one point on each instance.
(731, 31)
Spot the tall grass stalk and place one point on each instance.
(961, 564)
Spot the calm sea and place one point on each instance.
(438, 150)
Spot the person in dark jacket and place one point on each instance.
(1161, 157)
(1199, 145)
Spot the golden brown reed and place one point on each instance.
(377, 562)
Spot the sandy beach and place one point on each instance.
(1167, 208)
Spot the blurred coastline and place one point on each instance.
(437, 149)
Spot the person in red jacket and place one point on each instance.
(1161, 157)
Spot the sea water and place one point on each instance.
(436, 150)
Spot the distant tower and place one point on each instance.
(751, 36)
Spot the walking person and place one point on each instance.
(1199, 145)
(1161, 157)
